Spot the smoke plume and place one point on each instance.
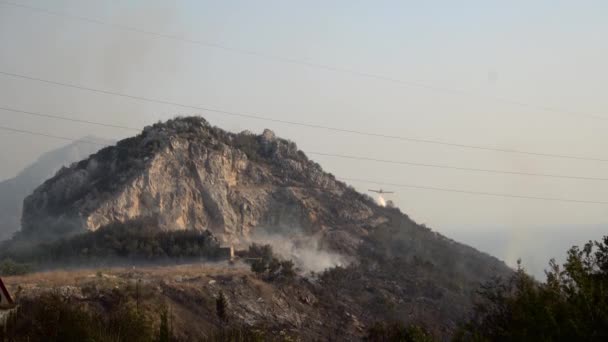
(304, 250)
(381, 201)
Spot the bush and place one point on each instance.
(133, 241)
(53, 318)
(267, 265)
(221, 307)
(249, 144)
(383, 332)
(164, 331)
(287, 270)
(10, 268)
(571, 306)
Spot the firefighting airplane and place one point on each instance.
(380, 191)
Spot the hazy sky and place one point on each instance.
(542, 53)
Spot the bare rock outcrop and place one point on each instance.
(186, 175)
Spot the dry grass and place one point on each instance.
(188, 291)
(57, 278)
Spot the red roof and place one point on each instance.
(5, 292)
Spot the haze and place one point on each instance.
(544, 54)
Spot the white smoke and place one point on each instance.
(304, 250)
(381, 201)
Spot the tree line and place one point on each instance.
(113, 243)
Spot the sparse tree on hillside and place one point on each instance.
(10, 268)
(163, 333)
(51, 317)
(571, 306)
(221, 307)
(288, 270)
(266, 264)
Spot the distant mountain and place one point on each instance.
(187, 175)
(14, 190)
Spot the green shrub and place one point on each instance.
(571, 306)
(10, 268)
(133, 241)
(221, 307)
(50, 317)
(266, 264)
(164, 331)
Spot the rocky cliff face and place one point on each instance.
(185, 174)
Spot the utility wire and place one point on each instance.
(301, 124)
(451, 167)
(342, 156)
(305, 63)
(23, 131)
(483, 193)
(64, 118)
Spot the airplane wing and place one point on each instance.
(376, 191)
(388, 192)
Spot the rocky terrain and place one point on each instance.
(14, 190)
(190, 293)
(185, 175)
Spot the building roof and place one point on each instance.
(4, 295)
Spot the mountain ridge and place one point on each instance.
(185, 175)
(14, 190)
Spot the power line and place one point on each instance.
(23, 131)
(301, 124)
(305, 63)
(451, 167)
(483, 193)
(58, 117)
(342, 156)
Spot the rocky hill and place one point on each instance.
(14, 190)
(187, 175)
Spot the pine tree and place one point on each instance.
(221, 306)
(164, 334)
